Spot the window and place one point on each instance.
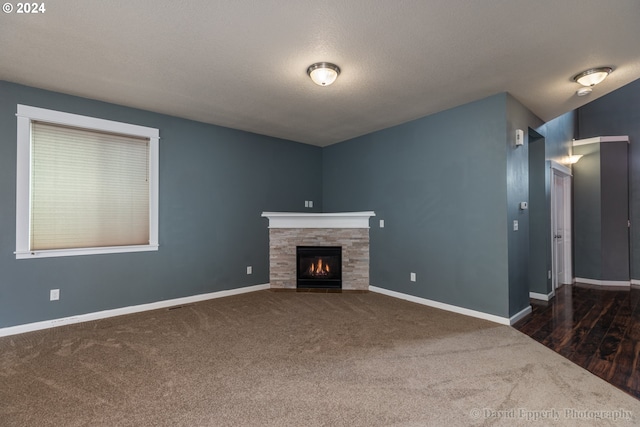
(84, 185)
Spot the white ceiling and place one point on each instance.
(242, 63)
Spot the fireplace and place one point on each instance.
(319, 267)
(347, 230)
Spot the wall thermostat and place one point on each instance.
(524, 205)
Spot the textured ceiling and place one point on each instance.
(242, 63)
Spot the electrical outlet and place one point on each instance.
(54, 294)
(413, 277)
(249, 269)
(515, 225)
(306, 203)
(310, 203)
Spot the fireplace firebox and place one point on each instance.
(319, 267)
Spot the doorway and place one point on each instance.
(561, 239)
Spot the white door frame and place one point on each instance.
(557, 169)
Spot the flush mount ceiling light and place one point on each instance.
(592, 76)
(323, 73)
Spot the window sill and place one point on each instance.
(84, 251)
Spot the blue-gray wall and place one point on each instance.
(559, 134)
(550, 141)
(601, 212)
(539, 218)
(615, 211)
(214, 184)
(587, 218)
(618, 113)
(448, 187)
(518, 117)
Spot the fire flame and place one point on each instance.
(319, 268)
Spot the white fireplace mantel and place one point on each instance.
(318, 220)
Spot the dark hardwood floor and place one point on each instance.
(597, 328)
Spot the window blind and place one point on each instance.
(88, 189)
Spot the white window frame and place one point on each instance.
(26, 114)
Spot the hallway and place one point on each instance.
(596, 328)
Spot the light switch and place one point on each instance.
(382, 223)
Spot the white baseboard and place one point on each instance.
(520, 315)
(36, 326)
(635, 282)
(454, 308)
(619, 283)
(543, 297)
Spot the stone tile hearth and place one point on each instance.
(319, 230)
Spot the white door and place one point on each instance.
(560, 225)
(558, 230)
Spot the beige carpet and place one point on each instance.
(297, 359)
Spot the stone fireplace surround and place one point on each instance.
(287, 230)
